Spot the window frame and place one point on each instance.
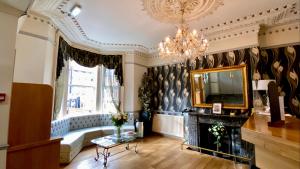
(100, 84)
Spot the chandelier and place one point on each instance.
(185, 45)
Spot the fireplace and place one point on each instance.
(233, 147)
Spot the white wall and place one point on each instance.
(8, 31)
(34, 51)
(134, 68)
(36, 59)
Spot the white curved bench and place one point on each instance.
(77, 132)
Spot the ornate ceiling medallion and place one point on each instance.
(169, 10)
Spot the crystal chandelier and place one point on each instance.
(185, 45)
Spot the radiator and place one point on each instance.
(168, 124)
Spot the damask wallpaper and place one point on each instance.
(171, 83)
(282, 64)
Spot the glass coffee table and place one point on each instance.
(111, 141)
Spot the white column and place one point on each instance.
(35, 50)
(134, 68)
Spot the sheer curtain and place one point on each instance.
(112, 92)
(61, 86)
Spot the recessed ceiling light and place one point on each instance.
(75, 10)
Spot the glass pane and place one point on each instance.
(81, 89)
(223, 87)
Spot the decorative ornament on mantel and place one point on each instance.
(186, 44)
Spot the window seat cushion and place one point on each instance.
(77, 132)
(75, 140)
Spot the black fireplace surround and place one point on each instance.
(198, 124)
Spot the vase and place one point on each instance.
(118, 131)
(215, 153)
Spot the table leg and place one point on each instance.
(106, 154)
(135, 147)
(97, 153)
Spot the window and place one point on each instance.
(89, 90)
(110, 91)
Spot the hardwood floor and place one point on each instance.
(155, 152)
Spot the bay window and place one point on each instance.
(91, 90)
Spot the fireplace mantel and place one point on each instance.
(198, 124)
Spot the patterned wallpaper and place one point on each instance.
(282, 64)
(172, 82)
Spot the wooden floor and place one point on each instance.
(155, 152)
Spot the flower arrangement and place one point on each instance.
(218, 130)
(119, 118)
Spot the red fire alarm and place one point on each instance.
(2, 97)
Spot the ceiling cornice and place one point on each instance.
(71, 27)
(66, 24)
(241, 26)
(278, 28)
(268, 17)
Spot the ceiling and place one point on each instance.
(125, 22)
(21, 5)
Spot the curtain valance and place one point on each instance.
(88, 59)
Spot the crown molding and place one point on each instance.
(233, 33)
(267, 17)
(280, 34)
(240, 26)
(41, 18)
(246, 24)
(66, 23)
(279, 28)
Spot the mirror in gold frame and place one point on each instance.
(226, 85)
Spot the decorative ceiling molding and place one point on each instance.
(42, 19)
(237, 32)
(69, 25)
(280, 35)
(66, 23)
(232, 28)
(279, 28)
(169, 11)
(98, 44)
(142, 54)
(267, 17)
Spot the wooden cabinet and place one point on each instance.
(30, 146)
(275, 147)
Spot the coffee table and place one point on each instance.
(111, 141)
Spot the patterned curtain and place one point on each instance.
(88, 59)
